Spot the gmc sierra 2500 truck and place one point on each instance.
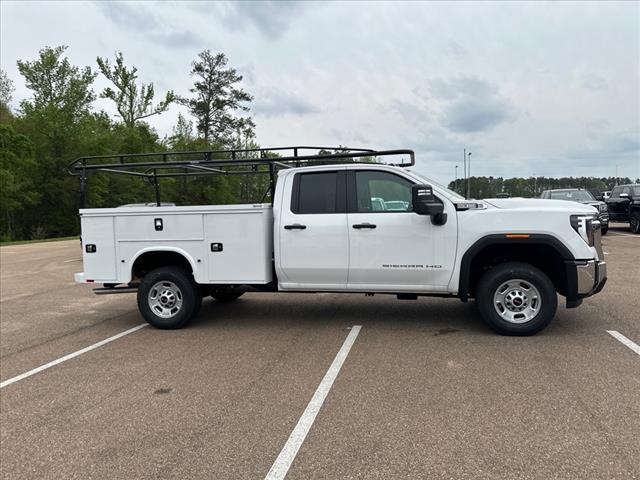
(344, 223)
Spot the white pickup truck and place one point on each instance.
(344, 227)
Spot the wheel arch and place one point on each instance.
(151, 258)
(544, 251)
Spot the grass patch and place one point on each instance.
(24, 242)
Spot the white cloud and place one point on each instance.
(545, 88)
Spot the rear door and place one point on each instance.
(312, 230)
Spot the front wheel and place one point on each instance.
(604, 230)
(516, 299)
(168, 298)
(634, 222)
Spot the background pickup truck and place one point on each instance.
(345, 227)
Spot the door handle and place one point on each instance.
(295, 226)
(364, 225)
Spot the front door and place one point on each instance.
(392, 248)
(619, 206)
(313, 237)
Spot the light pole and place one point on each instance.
(456, 180)
(469, 177)
(464, 168)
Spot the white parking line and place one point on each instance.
(624, 340)
(281, 466)
(70, 356)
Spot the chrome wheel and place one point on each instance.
(517, 301)
(165, 299)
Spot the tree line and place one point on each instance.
(490, 187)
(59, 122)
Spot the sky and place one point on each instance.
(545, 89)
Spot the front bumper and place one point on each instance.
(604, 219)
(584, 278)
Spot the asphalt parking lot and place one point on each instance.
(425, 390)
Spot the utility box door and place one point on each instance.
(239, 246)
(98, 238)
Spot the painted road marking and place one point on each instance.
(73, 260)
(624, 340)
(70, 356)
(281, 466)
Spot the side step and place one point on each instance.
(111, 291)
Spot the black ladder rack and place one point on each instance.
(154, 166)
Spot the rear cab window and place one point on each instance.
(318, 193)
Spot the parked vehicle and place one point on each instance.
(597, 194)
(585, 197)
(322, 233)
(606, 194)
(624, 205)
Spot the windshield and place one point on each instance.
(434, 183)
(573, 195)
(636, 191)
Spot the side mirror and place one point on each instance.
(624, 195)
(425, 203)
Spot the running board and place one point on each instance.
(110, 291)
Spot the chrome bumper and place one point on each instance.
(584, 278)
(591, 277)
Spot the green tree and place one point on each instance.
(133, 102)
(217, 99)
(59, 121)
(6, 88)
(17, 173)
(62, 93)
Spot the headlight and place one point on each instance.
(585, 226)
(603, 208)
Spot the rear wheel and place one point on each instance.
(168, 298)
(516, 299)
(634, 222)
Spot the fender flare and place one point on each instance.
(501, 239)
(179, 251)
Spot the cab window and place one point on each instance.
(318, 192)
(615, 193)
(382, 192)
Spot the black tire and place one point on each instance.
(604, 230)
(634, 222)
(179, 286)
(496, 278)
(225, 295)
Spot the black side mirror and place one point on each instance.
(425, 203)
